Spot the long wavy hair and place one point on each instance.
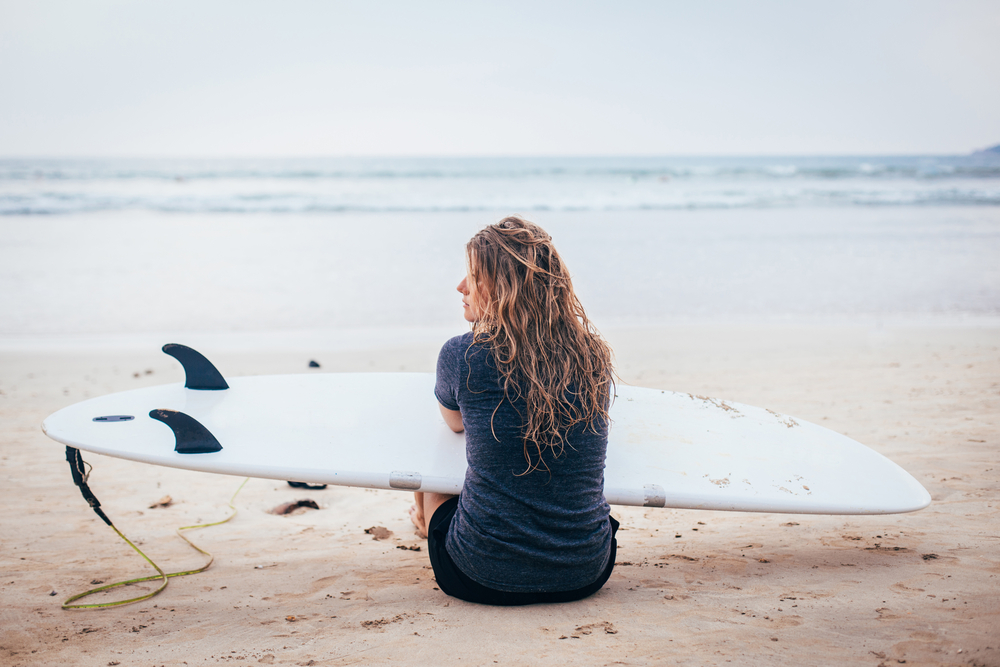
(547, 351)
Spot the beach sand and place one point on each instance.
(689, 588)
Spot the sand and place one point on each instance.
(690, 587)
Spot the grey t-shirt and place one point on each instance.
(515, 530)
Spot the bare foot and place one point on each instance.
(417, 517)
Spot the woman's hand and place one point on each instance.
(453, 418)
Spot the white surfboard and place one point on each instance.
(384, 431)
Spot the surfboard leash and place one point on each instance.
(81, 473)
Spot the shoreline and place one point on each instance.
(380, 337)
(395, 271)
(751, 589)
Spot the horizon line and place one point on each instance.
(486, 156)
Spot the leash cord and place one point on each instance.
(80, 477)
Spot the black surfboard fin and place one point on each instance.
(191, 437)
(199, 371)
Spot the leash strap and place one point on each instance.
(81, 473)
(80, 477)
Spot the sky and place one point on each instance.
(232, 78)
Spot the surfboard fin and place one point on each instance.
(199, 371)
(191, 437)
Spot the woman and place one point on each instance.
(530, 386)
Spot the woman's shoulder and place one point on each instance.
(466, 351)
(458, 344)
(465, 339)
(455, 349)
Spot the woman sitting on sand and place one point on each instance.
(530, 386)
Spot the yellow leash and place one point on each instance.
(80, 476)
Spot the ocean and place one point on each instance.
(32, 187)
(286, 248)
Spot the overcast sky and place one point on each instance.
(293, 78)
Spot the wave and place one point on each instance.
(249, 205)
(38, 187)
(932, 167)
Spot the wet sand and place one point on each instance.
(690, 587)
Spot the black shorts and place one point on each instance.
(456, 584)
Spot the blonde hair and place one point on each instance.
(547, 351)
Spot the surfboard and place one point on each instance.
(384, 431)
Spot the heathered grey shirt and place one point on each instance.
(520, 532)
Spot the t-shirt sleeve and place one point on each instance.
(446, 387)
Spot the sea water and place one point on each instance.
(105, 248)
(491, 184)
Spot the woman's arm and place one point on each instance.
(453, 418)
